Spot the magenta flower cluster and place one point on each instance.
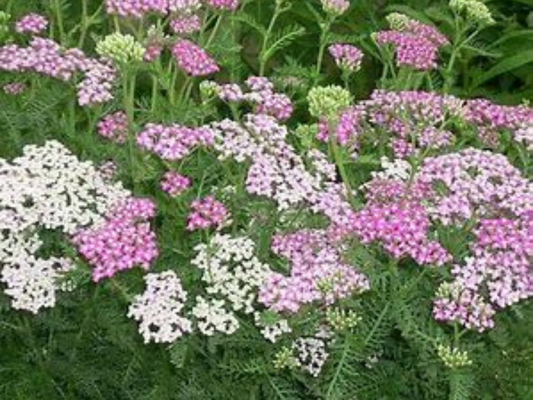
(173, 142)
(402, 228)
(347, 129)
(124, 241)
(417, 45)
(33, 24)
(207, 213)
(496, 276)
(192, 59)
(346, 56)
(114, 127)
(44, 56)
(317, 272)
(175, 184)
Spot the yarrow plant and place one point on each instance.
(282, 200)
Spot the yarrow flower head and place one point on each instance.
(335, 7)
(125, 240)
(32, 23)
(186, 24)
(474, 10)
(122, 48)
(223, 4)
(318, 273)
(14, 88)
(417, 44)
(192, 59)
(159, 309)
(173, 142)
(175, 184)
(206, 213)
(136, 8)
(346, 56)
(114, 127)
(328, 101)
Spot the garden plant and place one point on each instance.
(266, 199)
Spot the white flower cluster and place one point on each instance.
(158, 309)
(231, 270)
(311, 354)
(232, 274)
(46, 188)
(272, 331)
(397, 169)
(213, 317)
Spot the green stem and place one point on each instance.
(59, 21)
(84, 24)
(337, 155)
(129, 81)
(263, 59)
(322, 46)
(155, 89)
(214, 31)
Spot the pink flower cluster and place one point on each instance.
(153, 50)
(497, 276)
(44, 56)
(207, 213)
(223, 4)
(123, 242)
(318, 273)
(346, 56)
(139, 8)
(403, 229)
(32, 24)
(455, 303)
(186, 24)
(277, 171)
(173, 142)
(14, 88)
(474, 184)
(192, 59)
(492, 118)
(417, 45)
(175, 184)
(114, 127)
(261, 94)
(347, 130)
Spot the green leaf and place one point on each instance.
(504, 66)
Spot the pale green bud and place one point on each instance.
(473, 9)
(208, 90)
(453, 358)
(342, 320)
(121, 48)
(398, 21)
(285, 359)
(328, 101)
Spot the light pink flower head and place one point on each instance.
(32, 24)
